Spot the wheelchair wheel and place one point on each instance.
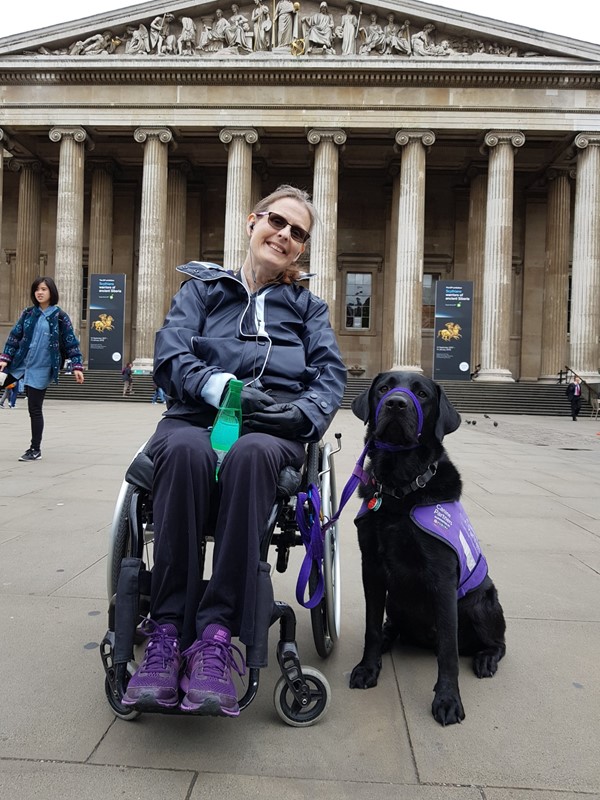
(326, 616)
(118, 709)
(120, 538)
(288, 708)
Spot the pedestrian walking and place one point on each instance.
(127, 377)
(35, 349)
(574, 395)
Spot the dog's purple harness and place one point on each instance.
(308, 507)
(449, 523)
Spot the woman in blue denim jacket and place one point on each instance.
(34, 350)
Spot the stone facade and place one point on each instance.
(436, 145)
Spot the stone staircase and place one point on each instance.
(469, 397)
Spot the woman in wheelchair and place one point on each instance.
(258, 325)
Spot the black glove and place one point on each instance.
(281, 419)
(254, 400)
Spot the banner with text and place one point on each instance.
(106, 321)
(452, 336)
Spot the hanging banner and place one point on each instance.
(106, 321)
(452, 336)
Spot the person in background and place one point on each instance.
(260, 326)
(127, 378)
(33, 351)
(158, 396)
(10, 393)
(574, 396)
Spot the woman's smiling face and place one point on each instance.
(276, 250)
(42, 295)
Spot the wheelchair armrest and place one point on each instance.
(140, 472)
(288, 482)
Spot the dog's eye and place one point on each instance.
(422, 393)
(383, 389)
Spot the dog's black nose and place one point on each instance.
(397, 401)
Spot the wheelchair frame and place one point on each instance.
(301, 695)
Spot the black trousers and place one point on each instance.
(189, 504)
(575, 406)
(35, 401)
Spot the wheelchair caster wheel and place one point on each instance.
(290, 710)
(118, 709)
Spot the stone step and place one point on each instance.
(469, 397)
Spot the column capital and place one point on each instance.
(494, 138)
(553, 173)
(101, 164)
(227, 135)
(406, 135)
(335, 135)
(17, 164)
(181, 165)
(164, 135)
(75, 132)
(583, 140)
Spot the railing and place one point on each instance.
(589, 392)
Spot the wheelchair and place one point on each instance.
(302, 694)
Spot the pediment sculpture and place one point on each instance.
(286, 28)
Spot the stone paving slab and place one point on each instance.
(531, 733)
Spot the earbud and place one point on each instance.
(251, 226)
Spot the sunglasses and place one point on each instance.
(278, 223)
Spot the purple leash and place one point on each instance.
(312, 531)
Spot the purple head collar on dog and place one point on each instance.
(396, 447)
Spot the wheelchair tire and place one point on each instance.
(118, 709)
(121, 542)
(325, 617)
(291, 712)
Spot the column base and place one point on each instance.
(547, 379)
(589, 377)
(143, 366)
(407, 368)
(494, 376)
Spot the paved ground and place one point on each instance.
(532, 488)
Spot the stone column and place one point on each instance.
(497, 268)
(69, 219)
(556, 275)
(475, 251)
(408, 300)
(176, 227)
(3, 139)
(153, 232)
(238, 142)
(585, 280)
(29, 222)
(323, 241)
(101, 218)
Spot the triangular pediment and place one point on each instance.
(399, 31)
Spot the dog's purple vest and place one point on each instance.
(449, 523)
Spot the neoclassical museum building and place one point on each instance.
(437, 145)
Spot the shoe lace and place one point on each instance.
(214, 658)
(161, 649)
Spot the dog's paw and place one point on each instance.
(485, 663)
(364, 676)
(447, 708)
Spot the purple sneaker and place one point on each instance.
(156, 682)
(207, 683)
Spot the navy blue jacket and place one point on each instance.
(211, 328)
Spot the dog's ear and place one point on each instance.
(448, 418)
(361, 406)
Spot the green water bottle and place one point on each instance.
(228, 422)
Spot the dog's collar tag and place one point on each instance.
(374, 503)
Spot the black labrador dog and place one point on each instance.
(435, 593)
